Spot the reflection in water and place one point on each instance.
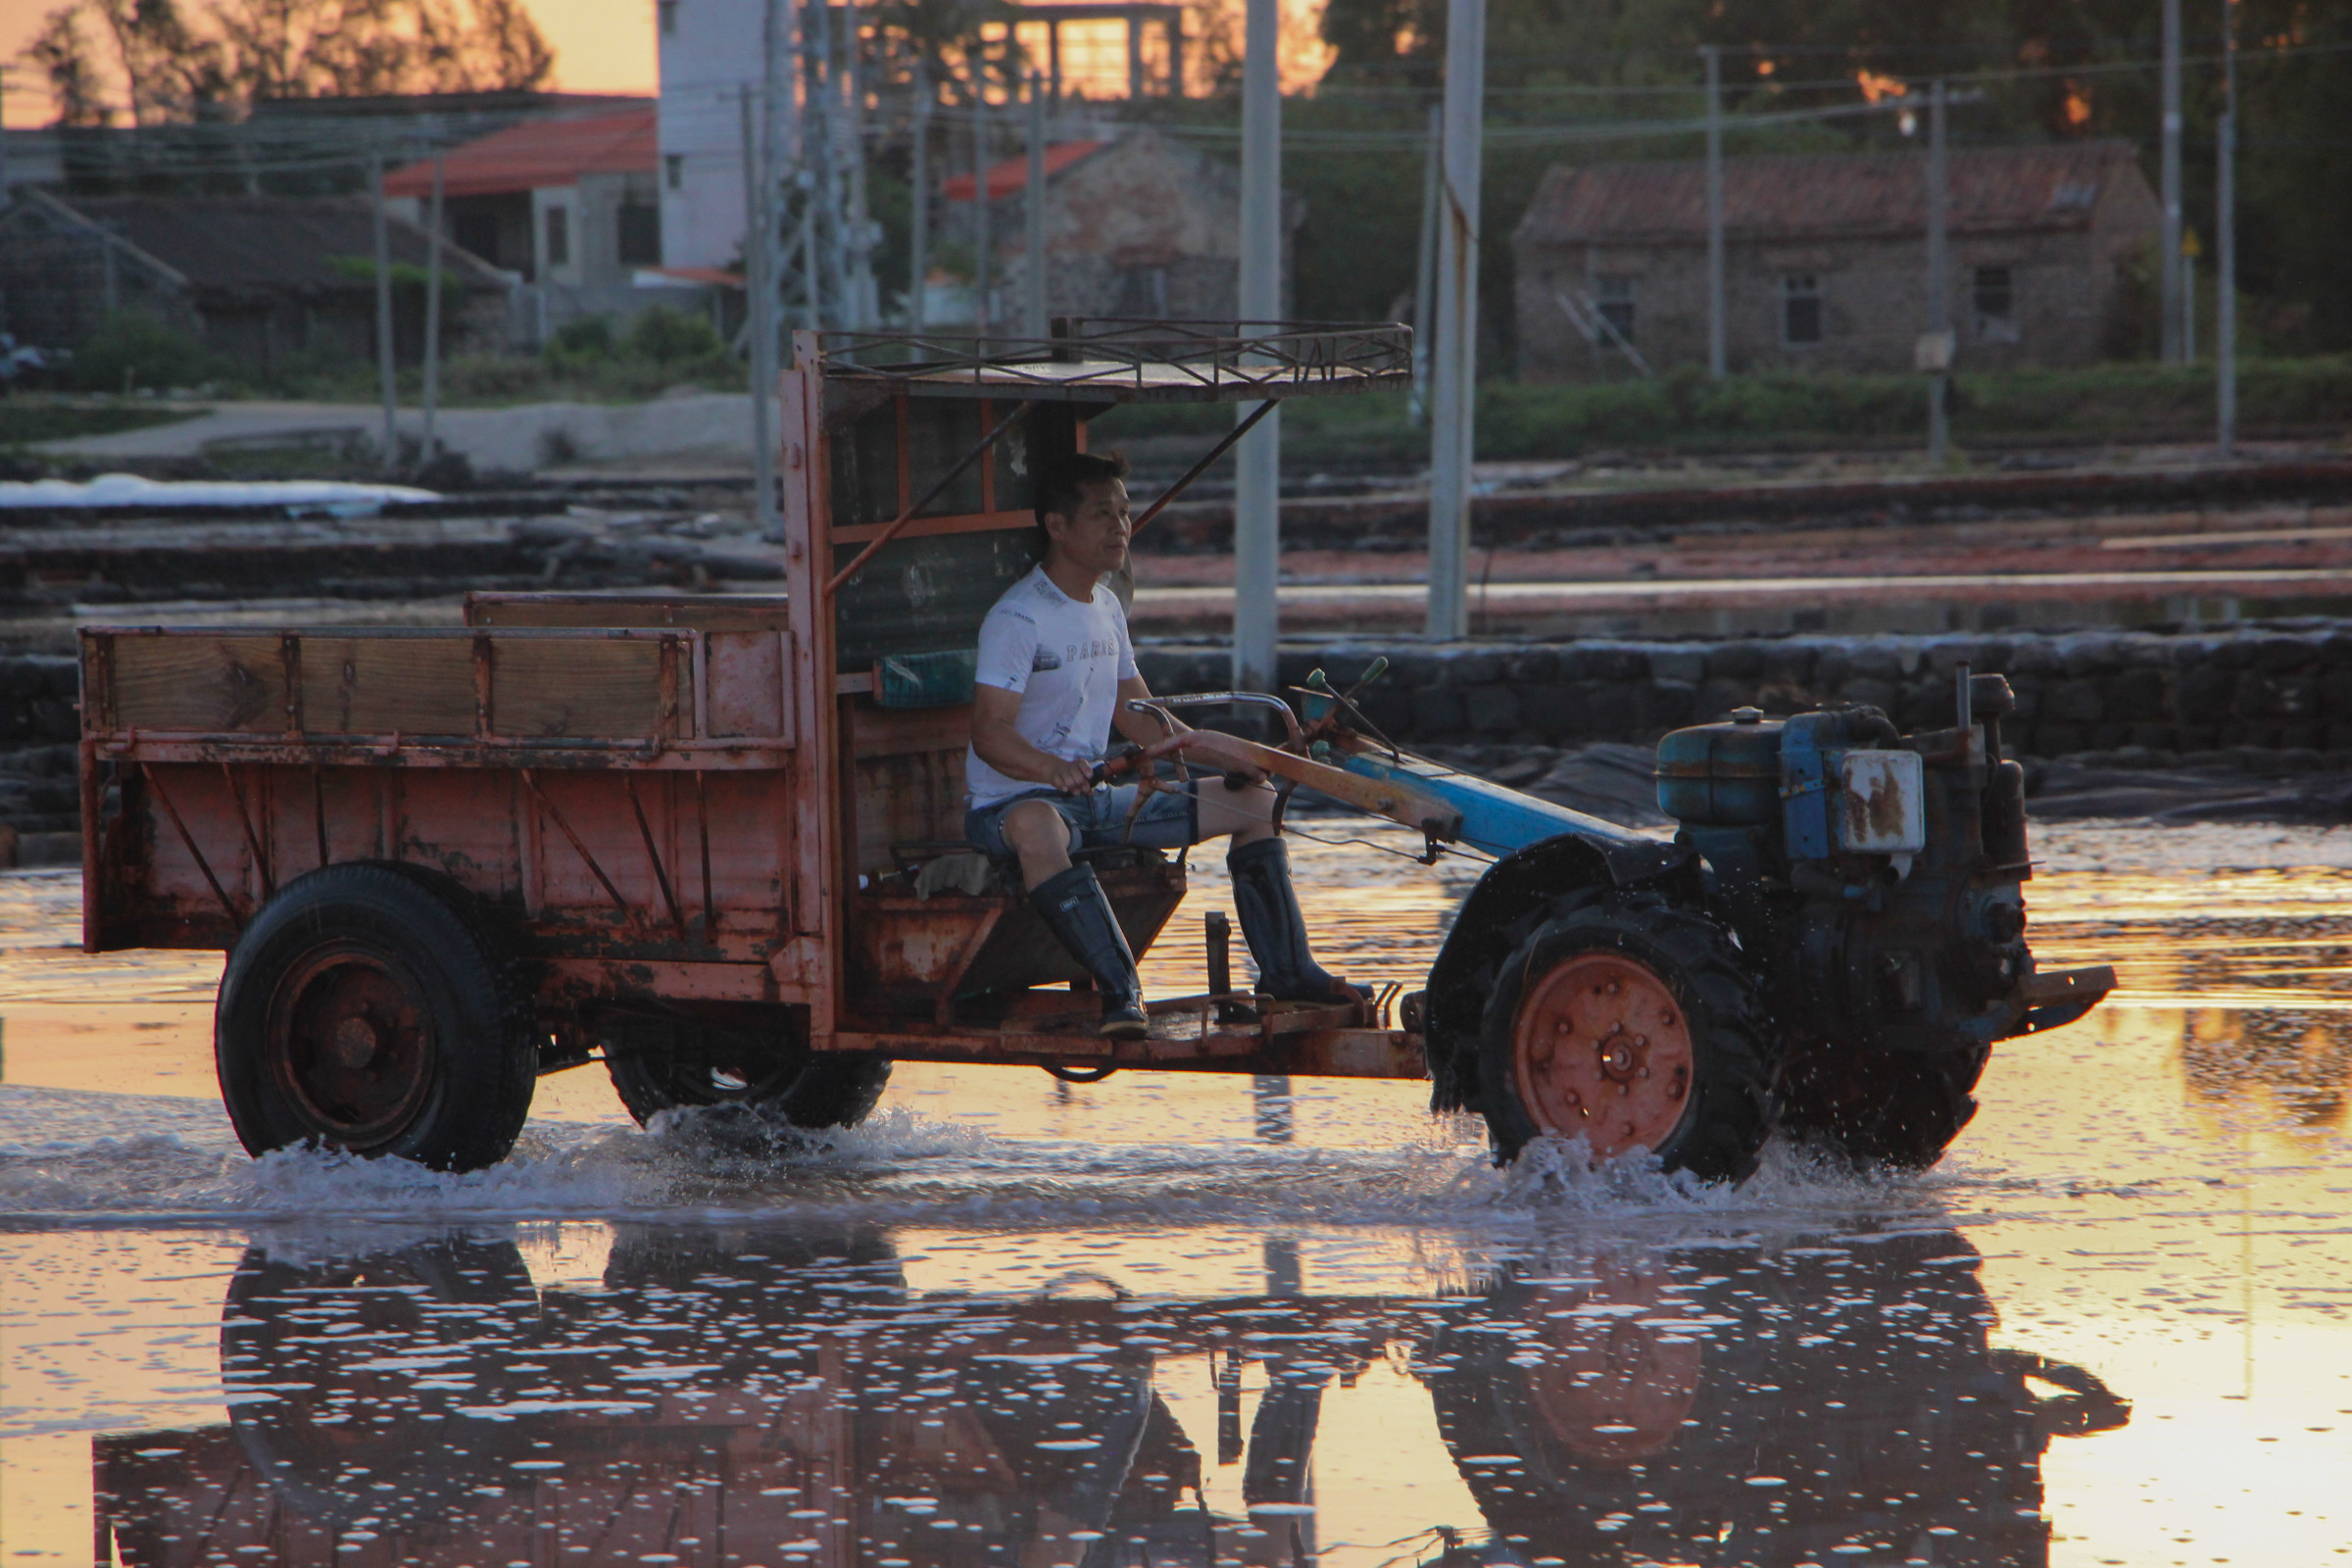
(780, 1398)
(2303, 1059)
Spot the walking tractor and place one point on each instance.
(719, 841)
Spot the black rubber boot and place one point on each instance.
(1075, 910)
(1276, 931)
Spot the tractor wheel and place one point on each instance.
(1884, 1109)
(368, 1009)
(666, 1064)
(1630, 1022)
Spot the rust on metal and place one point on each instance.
(260, 857)
(702, 819)
(669, 898)
(1601, 1047)
(162, 798)
(565, 827)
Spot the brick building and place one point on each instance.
(1826, 261)
(1137, 224)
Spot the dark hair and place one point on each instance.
(1063, 487)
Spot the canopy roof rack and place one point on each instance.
(1099, 361)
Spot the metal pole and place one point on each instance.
(760, 302)
(918, 260)
(1257, 461)
(2170, 331)
(1454, 357)
(981, 238)
(1033, 209)
(1716, 356)
(2224, 261)
(384, 314)
(865, 311)
(1939, 287)
(432, 316)
(1425, 272)
(2188, 309)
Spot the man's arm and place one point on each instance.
(999, 744)
(1141, 728)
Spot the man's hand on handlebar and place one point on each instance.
(1072, 775)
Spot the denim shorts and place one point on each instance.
(1169, 820)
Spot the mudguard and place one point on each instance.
(1487, 927)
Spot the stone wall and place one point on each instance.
(40, 805)
(2164, 696)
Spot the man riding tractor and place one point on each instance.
(1055, 674)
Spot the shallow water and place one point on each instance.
(1189, 1319)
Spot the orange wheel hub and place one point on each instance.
(1603, 1048)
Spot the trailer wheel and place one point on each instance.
(664, 1064)
(1630, 1022)
(367, 1009)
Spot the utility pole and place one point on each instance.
(1425, 272)
(384, 314)
(1939, 287)
(1453, 380)
(918, 246)
(759, 299)
(1258, 464)
(1716, 357)
(2170, 246)
(981, 238)
(1032, 210)
(432, 313)
(865, 297)
(2225, 261)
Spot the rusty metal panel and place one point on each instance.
(743, 676)
(1881, 803)
(210, 684)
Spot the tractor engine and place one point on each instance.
(1876, 881)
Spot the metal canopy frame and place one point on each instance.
(1120, 361)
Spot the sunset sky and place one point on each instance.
(607, 46)
(601, 46)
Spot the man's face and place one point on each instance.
(1094, 535)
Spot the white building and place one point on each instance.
(711, 59)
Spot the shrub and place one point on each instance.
(135, 349)
(663, 337)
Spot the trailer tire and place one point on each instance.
(660, 1065)
(369, 1010)
(1631, 1021)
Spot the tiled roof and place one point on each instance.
(539, 154)
(1810, 195)
(1008, 177)
(265, 243)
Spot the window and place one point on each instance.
(1800, 310)
(640, 235)
(558, 236)
(1613, 299)
(668, 11)
(1993, 293)
(673, 170)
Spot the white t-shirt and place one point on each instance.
(1066, 658)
